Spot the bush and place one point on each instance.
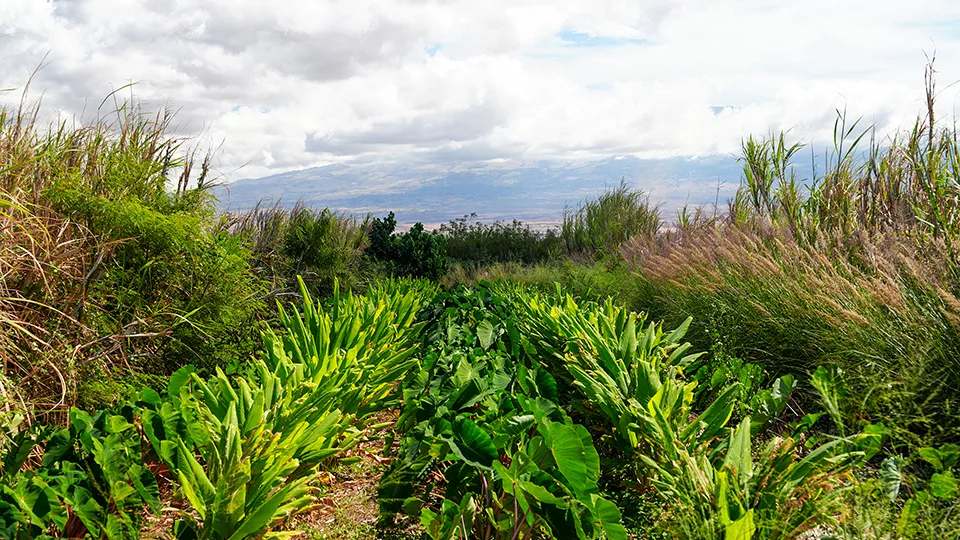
(167, 276)
(500, 242)
(105, 266)
(415, 253)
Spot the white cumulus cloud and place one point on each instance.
(293, 84)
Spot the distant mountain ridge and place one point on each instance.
(530, 191)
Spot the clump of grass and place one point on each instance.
(43, 265)
(877, 307)
(599, 226)
(320, 246)
(109, 258)
(856, 268)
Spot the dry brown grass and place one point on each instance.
(44, 262)
(48, 262)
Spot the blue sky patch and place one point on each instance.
(581, 39)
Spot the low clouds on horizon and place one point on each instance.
(288, 85)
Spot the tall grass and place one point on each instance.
(43, 263)
(908, 184)
(855, 267)
(321, 246)
(878, 307)
(599, 226)
(108, 257)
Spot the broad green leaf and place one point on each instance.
(260, 517)
(472, 444)
(739, 452)
(741, 529)
(949, 454)
(931, 456)
(609, 519)
(146, 485)
(576, 458)
(547, 386)
(870, 440)
(713, 420)
(486, 333)
(944, 485)
(676, 335)
(178, 379)
(890, 477)
(519, 424)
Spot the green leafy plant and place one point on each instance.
(941, 490)
(415, 253)
(91, 481)
(246, 449)
(705, 471)
(512, 463)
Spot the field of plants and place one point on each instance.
(784, 367)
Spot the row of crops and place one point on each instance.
(520, 415)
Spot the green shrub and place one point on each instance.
(107, 261)
(415, 253)
(480, 243)
(167, 276)
(589, 281)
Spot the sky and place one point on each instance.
(284, 85)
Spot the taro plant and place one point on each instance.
(941, 491)
(487, 452)
(90, 482)
(513, 464)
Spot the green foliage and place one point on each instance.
(167, 275)
(91, 481)
(513, 462)
(382, 238)
(113, 264)
(940, 495)
(599, 226)
(415, 253)
(908, 498)
(479, 243)
(836, 296)
(633, 379)
(242, 449)
(263, 435)
(323, 246)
